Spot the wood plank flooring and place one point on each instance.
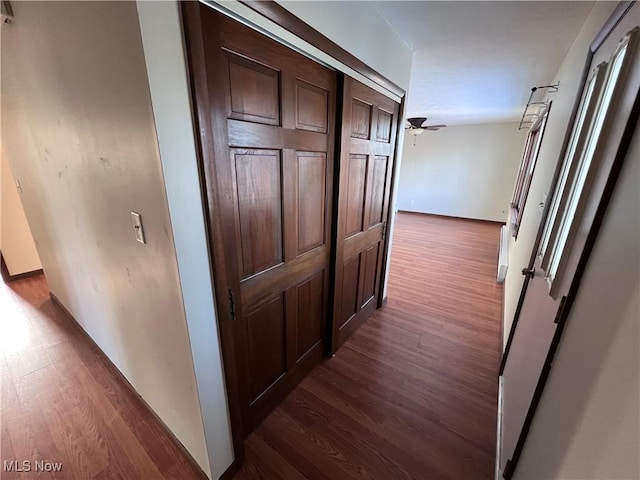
(413, 393)
(61, 401)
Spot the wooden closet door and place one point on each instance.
(369, 128)
(272, 118)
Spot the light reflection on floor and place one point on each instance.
(14, 324)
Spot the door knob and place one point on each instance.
(529, 272)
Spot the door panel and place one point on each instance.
(356, 184)
(595, 146)
(265, 331)
(360, 119)
(312, 105)
(349, 291)
(253, 91)
(369, 273)
(310, 313)
(270, 174)
(378, 183)
(312, 179)
(259, 198)
(383, 132)
(369, 128)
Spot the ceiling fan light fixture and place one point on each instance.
(416, 131)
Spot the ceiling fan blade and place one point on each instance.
(429, 127)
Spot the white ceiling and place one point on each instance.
(476, 61)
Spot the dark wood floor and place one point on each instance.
(62, 402)
(413, 393)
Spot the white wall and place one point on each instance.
(569, 77)
(78, 130)
(587, 424)
(16, 242)
(358, 28)
(464, 171)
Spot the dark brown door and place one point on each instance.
(271, 175)
(369, 127)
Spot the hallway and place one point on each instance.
(62, 402)
(412, 394)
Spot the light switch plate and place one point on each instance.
(137, 227)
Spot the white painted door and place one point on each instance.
(596, 141)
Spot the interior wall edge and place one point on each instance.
(160, 25)
(393, 201)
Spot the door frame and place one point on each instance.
(395, 177)
(205, 143)
(608, 191)
(599, 39)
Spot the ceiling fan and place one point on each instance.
(416, 126)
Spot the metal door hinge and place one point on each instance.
(563, 300)
(529, 272)
(232, 305)
(384, 230)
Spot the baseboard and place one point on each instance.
(453, 217)
(499, 428)
(503, 255)
(500, 390)
(504, 296)
(130, 388)
(7, 277)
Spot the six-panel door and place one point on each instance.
(369, 127)
(274, 176)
